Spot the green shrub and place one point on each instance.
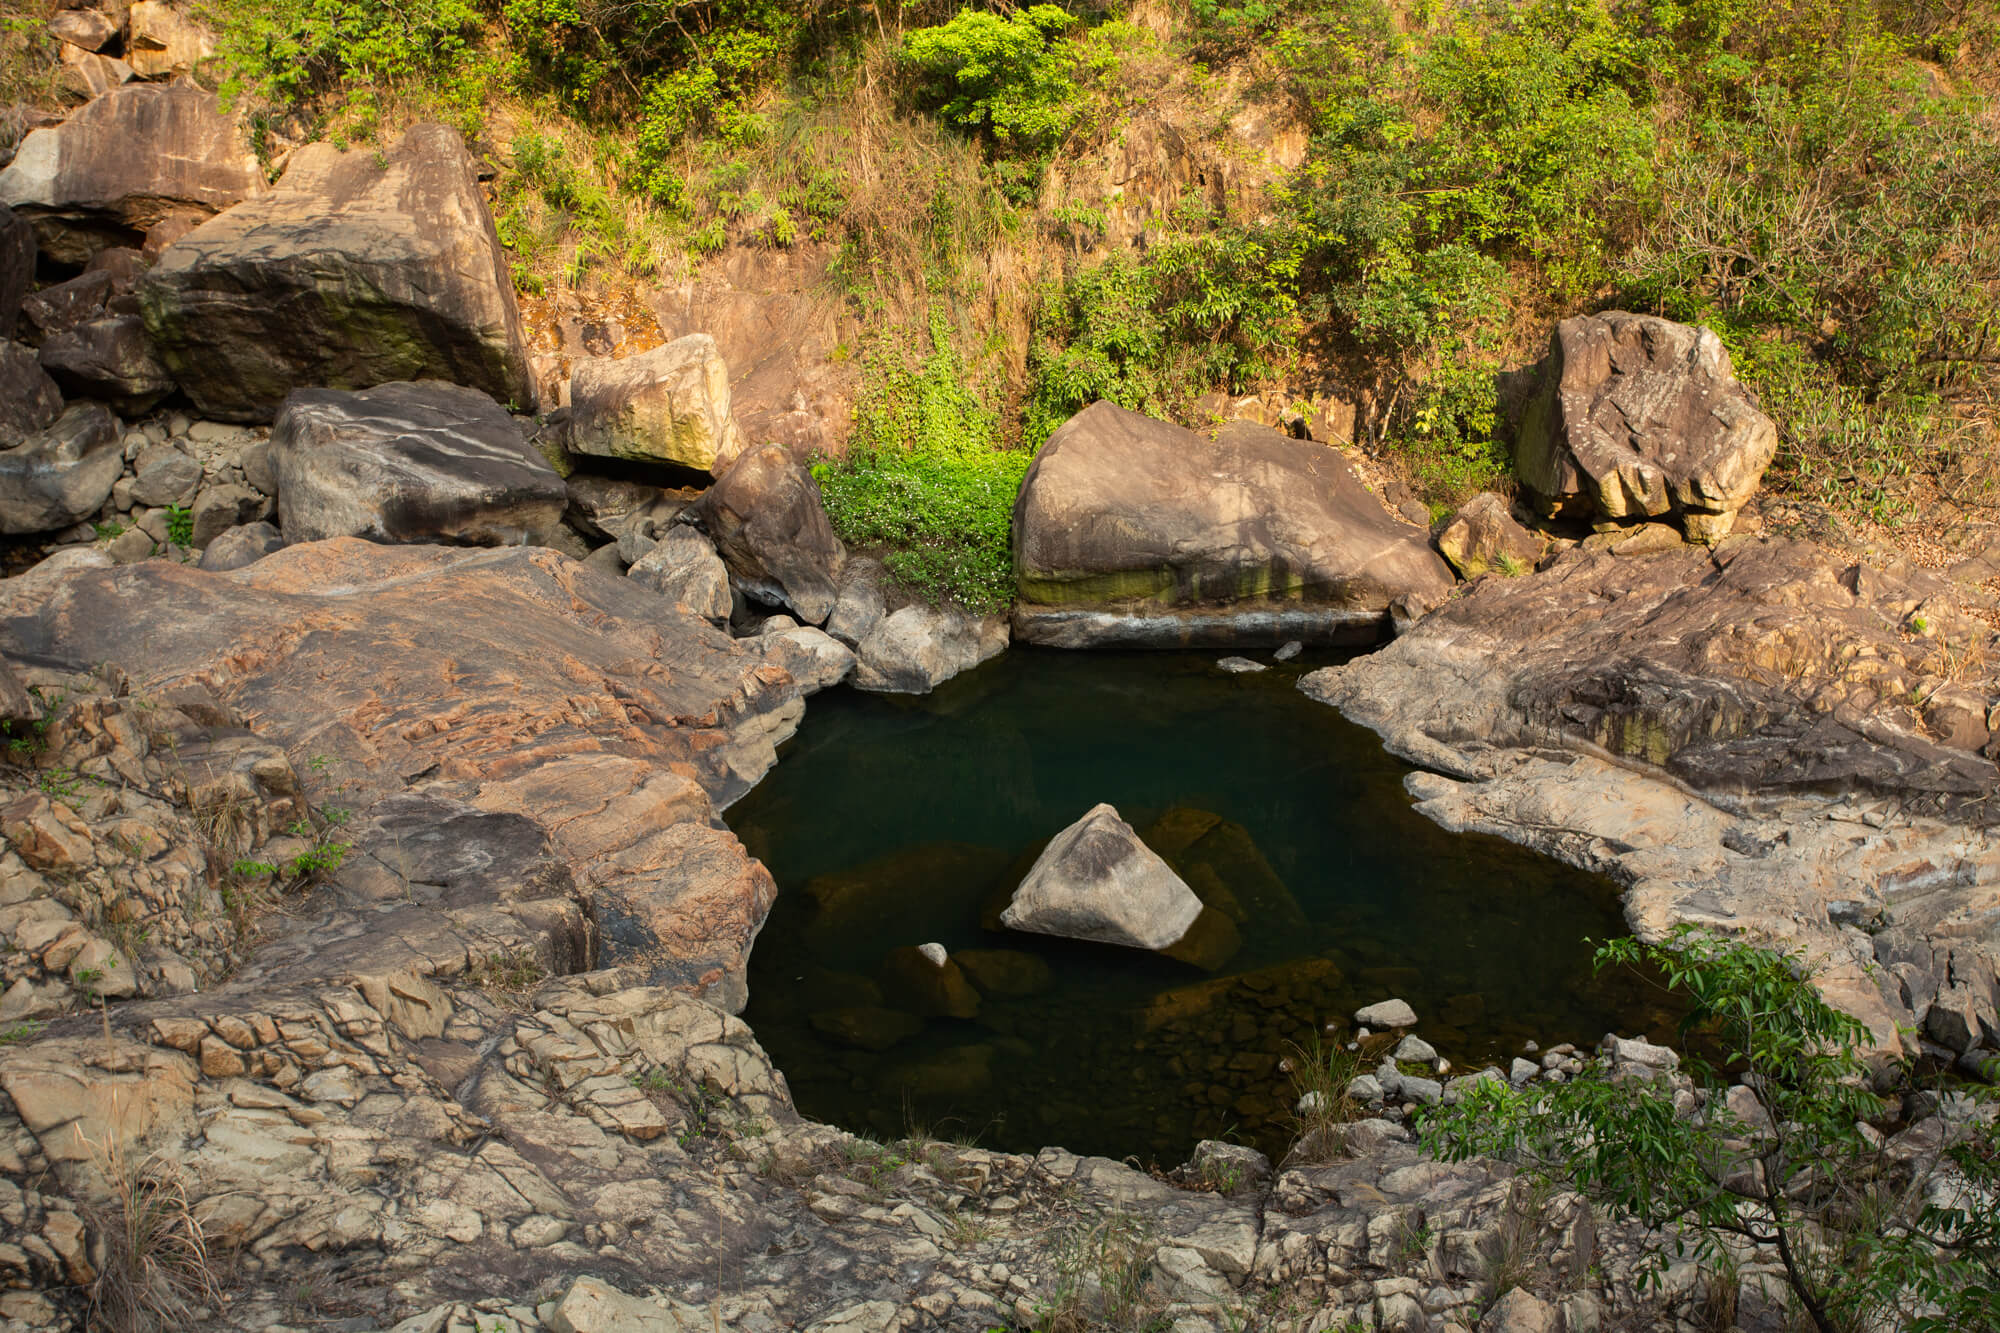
(1212, 307)
(925, 475)
(287, 51)
(1005, 78)
(1868, 1238)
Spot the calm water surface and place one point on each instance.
(891, 822)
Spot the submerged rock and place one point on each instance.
(1096, 881)
(1386, 1014)
(929, 984)
(1135, 531)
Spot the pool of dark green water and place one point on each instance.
(892, 822)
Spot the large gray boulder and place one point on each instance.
(29, 399)
(125, 160)
(1133, 531)
(112, 359)
(683, 567)
(62, 475)
(359, 269)
(669, 405)
(918, 648)
(1640, 417)
(1097, 881)
(17, 267)
(769, 524)
(160, 40)
(424, 462)
(241, 547)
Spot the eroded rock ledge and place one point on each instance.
(1752, 739)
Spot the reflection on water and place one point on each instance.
(893, 822)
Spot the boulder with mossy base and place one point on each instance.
(1131, 531)
(359, 268)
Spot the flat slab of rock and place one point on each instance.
(578, 700)
(1642, 417)
(1134, 531)
(668, 405)
(61, 475)
(1097, 881)
(769, 524)
(125, 160)
(358, 269)
(423, 462)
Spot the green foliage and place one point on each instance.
(1858, 1231)
(180, 526)
(1007, 78)
(925, 475)
(288, 51)
(1209, 307)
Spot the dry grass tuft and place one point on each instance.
(154, 1269)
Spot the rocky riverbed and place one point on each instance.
(372, 924)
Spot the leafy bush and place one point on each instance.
(1005, 78)
(1210, 307)
(1860, 1231)
(925, 476)
(287, 51)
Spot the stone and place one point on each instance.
(89, 75)
(62, 475)
(164, 475)
(1521, 1071)
(683, 567)
(1413, 1047)
(357, 269)
(927, 986)
(769, 524)
(29, 400)
(1136, 532)
(160, 40)
(1520, 1311)
(918, 648)
(1953, 1019)
(869, 1027)
(1005, 972)
(1636, 1055)
(1386, 1014)
(1240, 666)
(1096, 881)
(580, 701)
(17, 268)
(122, 162)
(858, 605)
(1483, 535)
(16, 703)
(812, 657)
(1287, 651)
(592, 1305)
(110, 359)
(63, 306)
(85, 29)
(669, 405)
(608, 508)
(1641, 417)
(421, 462)
(226, 508)
(132, 544)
